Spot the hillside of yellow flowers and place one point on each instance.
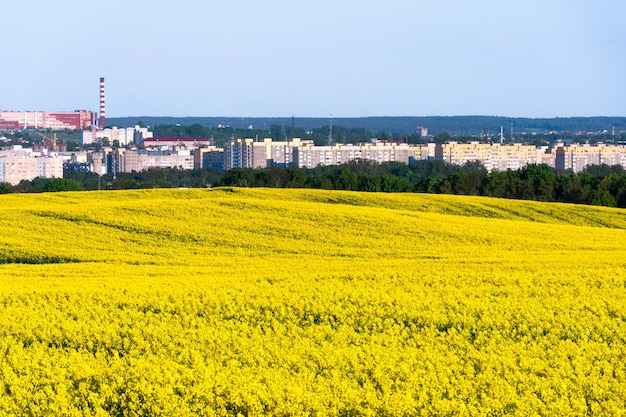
(228, 302)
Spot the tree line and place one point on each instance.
(319, 135)
(455, 125)
(342, 134)
(598, 185)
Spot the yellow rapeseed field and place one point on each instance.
(301, 302)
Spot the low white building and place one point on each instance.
(124, 136)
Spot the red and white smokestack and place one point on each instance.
(102, 111)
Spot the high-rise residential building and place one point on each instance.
(490, 155)
(422, 152)
(208, 157)
(310, 156)
(17, 164)
(249, 153)
(239, 153)
(576, 157)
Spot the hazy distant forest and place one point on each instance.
(400, 126)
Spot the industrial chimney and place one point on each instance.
(102, 111)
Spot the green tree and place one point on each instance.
(604, 198)
(347, 180)
(538, 182)
(469, 180)
(62, 184)
(369, 183)
(5, 188)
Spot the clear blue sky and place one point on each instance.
(312, 58)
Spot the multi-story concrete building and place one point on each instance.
(310, 156)
(136, 160)
(514, 157)
(612, 155)
(173, 142)
(239, 153)
(79, 119)
(248, 153)
(208, 157)
(491, 156)
(17, 164)
(422, 152)
(502, 157)
(576, 157)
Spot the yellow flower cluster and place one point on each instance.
(306, 302)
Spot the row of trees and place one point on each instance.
(600, 185)
(42, 185)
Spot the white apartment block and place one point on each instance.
(124, 136)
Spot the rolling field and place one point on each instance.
(302, 302)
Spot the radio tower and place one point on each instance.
(102, 111)
(330, 132)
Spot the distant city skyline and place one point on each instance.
(528, 58)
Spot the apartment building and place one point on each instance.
(491, 156)
(208, 157)
(310, 156)
(576, 157)
(174, 142)
(111, 161)
(17, 164)
(248, 153)
(135, 160)
(423, 152)
(514, 157)
(239, 153)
